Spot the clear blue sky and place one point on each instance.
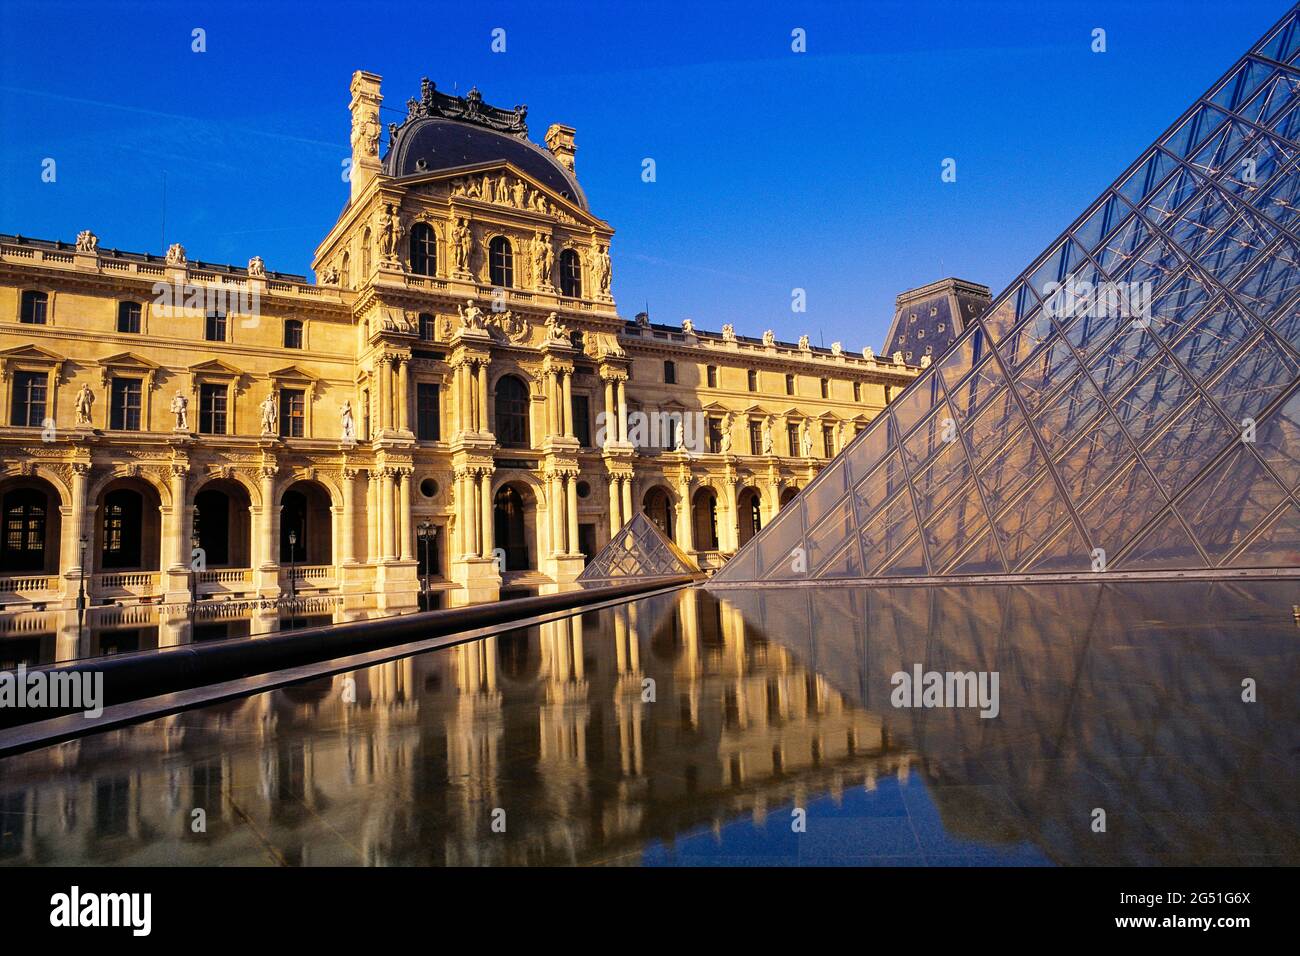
(775, 169)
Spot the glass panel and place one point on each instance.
(887, 532)
(1062, 261)
(1230, 254)
(1010, 469)
(1066, 552)
(1025, 341)
(1233, 93)
(1152, 398)
(1177, 305)
(1273, 96)
(909, 562)
(959, 523)
(1052, 368)
(1181, 451)
(884, 484)
(868, 448)
(777, 542)
(921, 396)
(1277, 547)
(1025, 524)
(977, 391)
(825, 490)
(936, 433)
(993, 426)
(846, 564)
(1230, 502)
(1127, 503)
(935, 483)
(1124, 359)
(1068, 414)
(1101, 223)
(1147, 176)
(1212, 340)
(962, 357)
(1195, 130)
(1277, 441)
(1271, 281)
(1093, 459)
(1014, 306)
(1283, 44)
(1116, 252)
(1163, 204)
(1259, 374)
(1216, 156)
(830, 535)
(1165, 545)
(1280, 200)
(981, 558)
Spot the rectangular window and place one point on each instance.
(214, 328)
(293, 413)
(128, 317)
(124, 404)
(27, 409)
(826, 388)
(857, 391)
(789, 384)
(292, 334)
(755, 438)
(828, 440)
(753, 380)
(34, 307)
(428, 412)
(715, 436)
(711, 375)
(792, 437)
(428, 327)
(582, 420)
(212, 409)
(670, 373)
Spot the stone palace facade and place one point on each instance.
(454, 404)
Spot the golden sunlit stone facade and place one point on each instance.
(454, 402)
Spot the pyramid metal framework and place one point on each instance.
(639, 550)
(1131, 403)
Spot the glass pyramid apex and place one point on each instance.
(1130, 403)
(638, 550)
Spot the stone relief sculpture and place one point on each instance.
(556, 331)
(898, 358)
(349, 426)
(461, 241)
(84, 401)
(268, 415)
(600, 268)
(87, 241)
(330, 276)
(181, 409)
(176, 254)
(471, 316)
(543, 260)
(390, 233)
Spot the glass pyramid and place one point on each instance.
(639, 550)
(1130, 403)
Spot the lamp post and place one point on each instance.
(293, 574)
(425, 532)
(81, 591)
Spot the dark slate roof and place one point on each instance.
(447, 144)
(927, 320)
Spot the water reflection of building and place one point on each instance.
(595, 734)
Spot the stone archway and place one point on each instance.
(306, 525)
(222, 524)
(514, 525)
(30, 537)
(749, 515)
(659, 508)
(704, 519)
(128, 529)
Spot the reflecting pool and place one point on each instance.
(742, 727)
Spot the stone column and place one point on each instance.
(684, 517)
(482, 396)
(611, 414)
(385, 393)
(555, 493)
(566, 403)
(386, 550)
(179, 534)
(571, 505)
(485, 503)
(372, 519)
(471, 514)
(348, 532)
(75, 523)
(270, 512)
(622, 411)
(615, 506)
(403, 397)
(628, 511)
(405, 526)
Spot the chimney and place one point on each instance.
(559, 140)
(365, 130)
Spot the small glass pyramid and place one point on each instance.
(639, 550)
(1130, 403)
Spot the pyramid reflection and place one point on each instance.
(639, 550)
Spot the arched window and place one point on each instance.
(501, 262)
(22, 547)
(512, 405)
(424, 250)
(570, 273)
(345, 273)
(365, 256)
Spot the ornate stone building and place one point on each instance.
(454, 402)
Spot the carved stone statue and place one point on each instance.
(84, 401)
(503, 191)
(804, 345)
(349, 426)
(461, 240)
(471, 316)
(769, 337)
(600, 268)
(806, 440)
(767, 435)
(390, 233)
(728, 332)
(543, 260)
(837, 348)
(868, 354)
(330, 276)
(725, 444)
(87, 241)
(898, 358)
(925, 361)
(556, 331)
(176, 254)
(269, 416)
(181, 409)
(688, 326)
(256, 268)
(518, 194)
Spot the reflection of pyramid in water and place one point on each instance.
(639, 550)
(1046, 443)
